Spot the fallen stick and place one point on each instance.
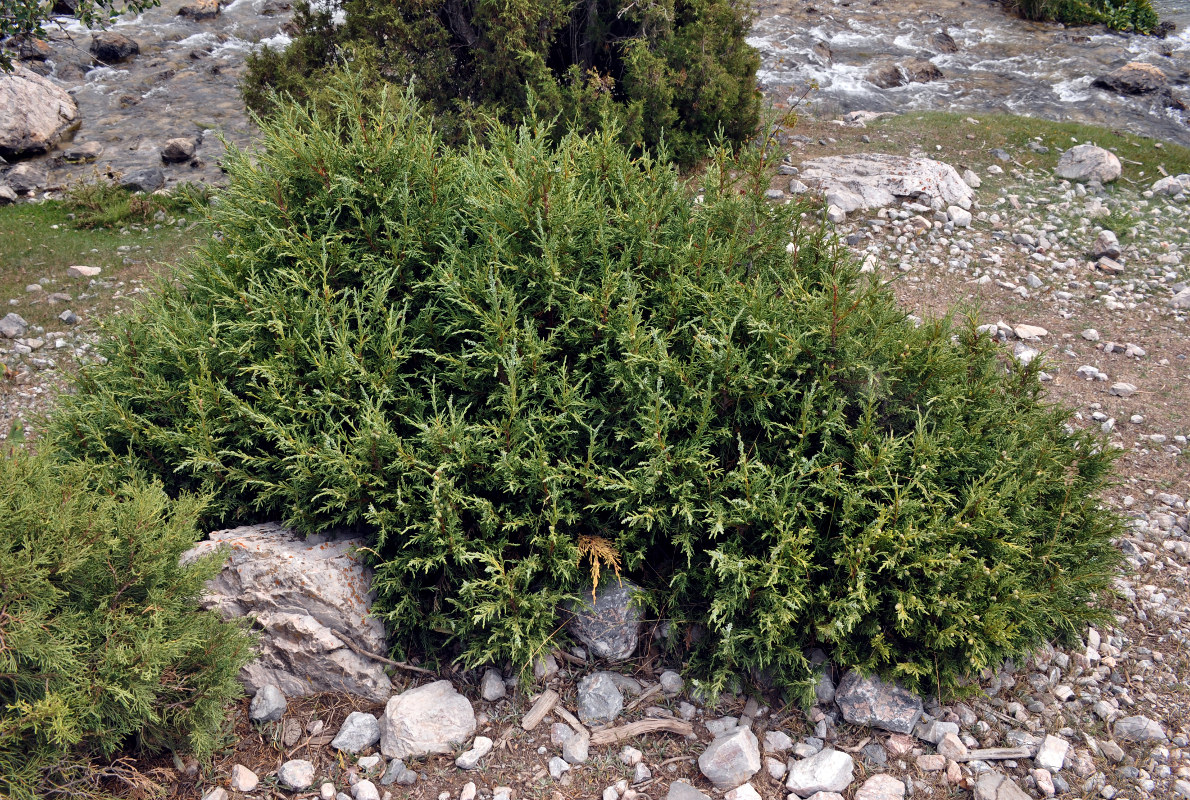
(639, 728)
(544, 705)
(996, 754)
(398, 664)
(572, 721)
(648, 693)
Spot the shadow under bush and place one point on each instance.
(499, 358)
(103, 648)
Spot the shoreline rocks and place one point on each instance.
(34, 113)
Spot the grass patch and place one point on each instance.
(100, 203)
(1140, 156)
(39, 241)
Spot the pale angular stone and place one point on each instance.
(358, 732)
(297, 774)
(680, 790)
(777, 742)
(178, 150)
(934, 730)
(1030, 331)
(874, 180)
(881, 787)
(13, 326)
(827, 771)
(433, 718)
(745, 792)
(731, 759)
(1139, 729)
(479, 748)
(492, 687)
(997, 786)
(1052, 753)
(1045, 782)
(82, 271)
(576, 749)
(557, 767)
(243, 779)
(599, 699)
(365, 790)
(952, 746)
(268, 705)
(308, 596)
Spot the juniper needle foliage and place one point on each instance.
(103, 647)
(488, 356)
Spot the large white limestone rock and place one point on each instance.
(308, 598)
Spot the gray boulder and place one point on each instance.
(26, 178)
(610, 625)
(109, 47)
(82, 152)
(731, 759)
(872, 702)
(34, 113)
(268, 705)
(1138, 78)
(1086, 162)
(874, 180)
(7, 195)
(13, 326)
(308, 597)
(358, 732)
(433, 718)
(178, 150)
(200, 10)
(143, 180)
(599, 698)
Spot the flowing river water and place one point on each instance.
(817, 52)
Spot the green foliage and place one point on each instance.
(672, 70)
(28, 17)
(490, 356)
(1136, 16)
(102, 644)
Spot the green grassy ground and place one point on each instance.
(40, 241)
